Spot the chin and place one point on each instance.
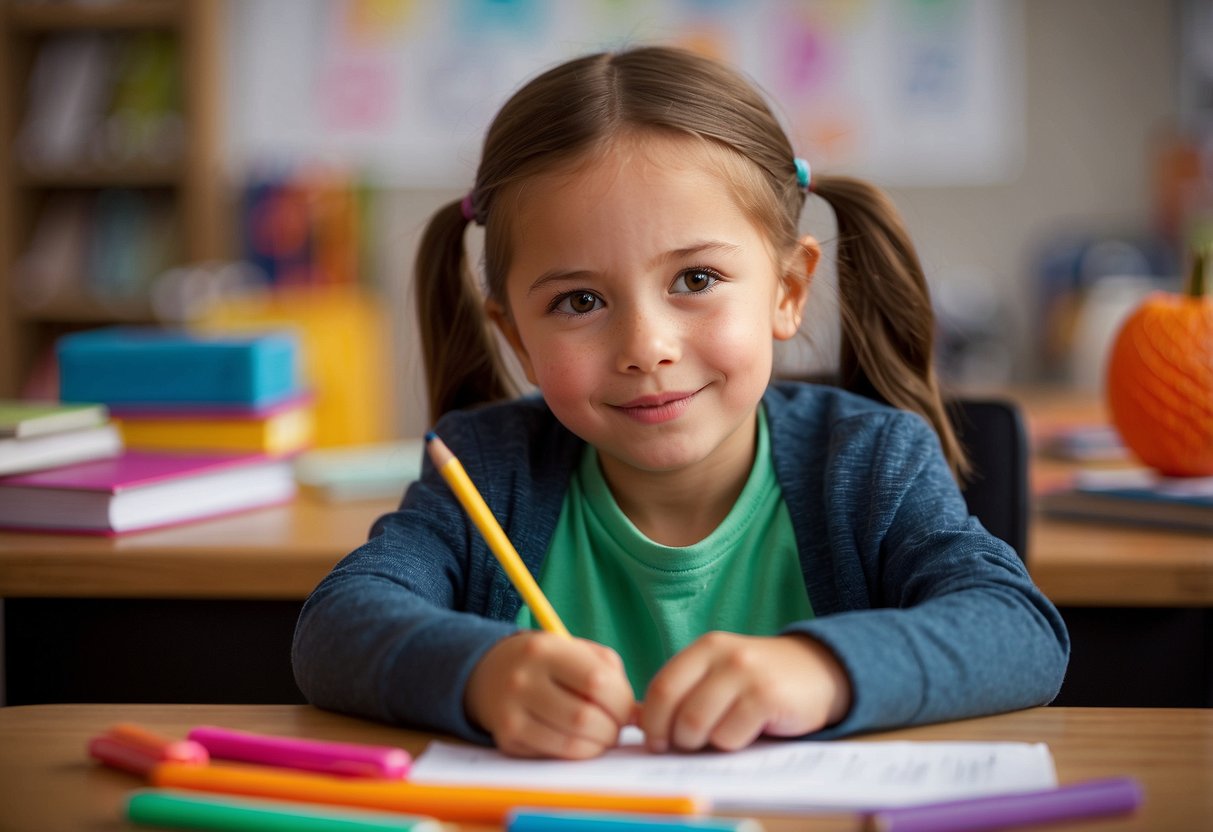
(664, 456)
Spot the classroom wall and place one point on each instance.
(1100, 81)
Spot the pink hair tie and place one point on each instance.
(469, 210)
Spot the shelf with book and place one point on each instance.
(109, 133)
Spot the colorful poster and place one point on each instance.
(905, 92)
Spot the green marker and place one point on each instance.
(182, 810)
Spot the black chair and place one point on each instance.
(992, 432)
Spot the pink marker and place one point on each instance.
(350, 759)
(138, 750)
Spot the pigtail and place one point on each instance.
(888, 325)
(463, 366)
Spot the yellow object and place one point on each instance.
(457, 478)
(468, 804)
(278, 434)
(342, 331)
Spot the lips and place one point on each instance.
(658, 399)
(659, 407)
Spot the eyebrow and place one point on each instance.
(697, 248)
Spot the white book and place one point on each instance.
(35, 453)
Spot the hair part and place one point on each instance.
(571, 112)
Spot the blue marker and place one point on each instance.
(555, 821)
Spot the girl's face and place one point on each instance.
(642, 302)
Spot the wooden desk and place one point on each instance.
(48, 782)
(280, 552)
(1138, 602)
(1081, 564)
(155, 616)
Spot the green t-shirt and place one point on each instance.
(612, 584)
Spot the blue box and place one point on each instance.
(150, 366)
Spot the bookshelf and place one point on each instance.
(179, 188)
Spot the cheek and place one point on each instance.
(739, 340)
(564, 375)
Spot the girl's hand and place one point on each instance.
(541, 695)
(725, 690)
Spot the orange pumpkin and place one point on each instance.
(1160, 378)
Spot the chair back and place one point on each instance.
(992, 431)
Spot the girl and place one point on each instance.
(737, 558)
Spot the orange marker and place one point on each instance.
(470, 804)
(139, 750)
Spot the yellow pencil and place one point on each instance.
(457, 478)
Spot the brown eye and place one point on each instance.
(694, 280)
(577, 303)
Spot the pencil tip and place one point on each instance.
(430, 436)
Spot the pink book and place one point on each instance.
(141, 490)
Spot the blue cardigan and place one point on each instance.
(932, 617)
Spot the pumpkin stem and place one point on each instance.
(1198, 279)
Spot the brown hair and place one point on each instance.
(578, 107)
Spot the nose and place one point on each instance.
(645, 340)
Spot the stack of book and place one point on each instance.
(209, 422)
(175, 391)
(1134, 495)
(38, 435)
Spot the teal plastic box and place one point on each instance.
(164, 368)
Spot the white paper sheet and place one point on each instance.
(772, 776)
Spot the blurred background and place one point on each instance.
(232, 165)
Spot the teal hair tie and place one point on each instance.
(803, 173)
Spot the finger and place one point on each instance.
(574, 715)
(664, 695)
(551, 740)
(595, 673)
(702, 709)
(743, 723)
(516, 748)
(525, 732)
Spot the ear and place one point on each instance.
(505, 324)
(793, 291)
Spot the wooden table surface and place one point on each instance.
(47, 782)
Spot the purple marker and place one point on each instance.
(350, 759)
(1115, 795)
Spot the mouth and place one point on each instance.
(659, 407)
